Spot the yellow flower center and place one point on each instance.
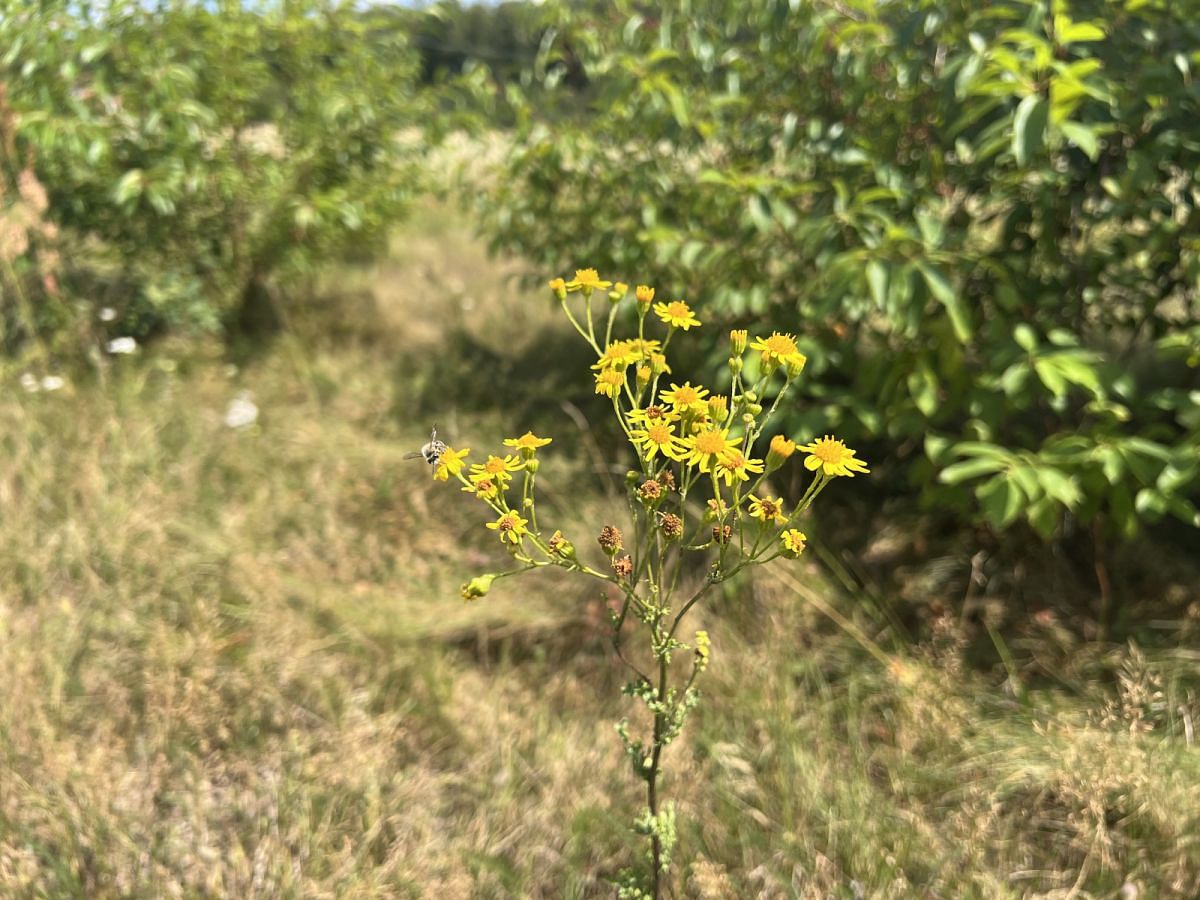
(734, 460)
(612, 376)
(494, 466)
(677, 309)
(780, 345)
(830, 450)
(686, 396)
(710, 442)
(659, 434)
(587, 277)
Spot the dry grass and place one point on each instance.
(235, 664)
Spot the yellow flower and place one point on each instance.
(779, 452)
(450, 463)
(832, 457)
(587, 280)
(497, 469)
(659, 436)
(733, 466)
(527, 443)
(793, 542)
(645, 295)
(609, 382)
(652, 414)
(718, 408)
(766, 509)
(737, 341)
(686, 398)
(677, 314)
(511, 527)
(704, 447)
(484, 489)
(618, 355)
(779, 349)
(559, 287)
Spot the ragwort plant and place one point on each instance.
(699, 506)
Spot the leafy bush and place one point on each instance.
(990, 210)
(196, 155)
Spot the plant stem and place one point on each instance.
(660, 723)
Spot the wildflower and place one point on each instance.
(677, 314)
(722, 534)
(651, 414)
(609, 382)
(496, 468)
(121, 346)
(484, 489)
(793, 542)
(767, 510)
(716, 509)
(650, 491)
(704, 447)
(645, 296)
(737, 341)
(559, 287)
(623, 567)
(610, 540)
(833, 457)
(667, 479)
(718, 407)
(685, 398)
(658, 364)
(618, 355)
(778, 349)
(477, 587)
(702, 650)
(643, 376)
(618, 292)
(671, 525)
(779, 452)
(795, 366)
(587, 280)
(560, 546)
(450, 463)
(734, 466)
(659, 437)
(511, 527)
(527, 443)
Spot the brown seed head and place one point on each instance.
(623, 567)
(722, 534)
(610, 539)
(671, 524)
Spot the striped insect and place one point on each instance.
(430, 452)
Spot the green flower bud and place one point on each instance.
(477, 587)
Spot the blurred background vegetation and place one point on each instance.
(234, 656)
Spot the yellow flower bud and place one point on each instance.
(658, 364)
(795, 365)
(778, 453)
(644, 374)
(559, 287)
(718, 408)
(737, 339)
(618, 292)
(735, 365)
(645, 296)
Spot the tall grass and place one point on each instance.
(234, 663)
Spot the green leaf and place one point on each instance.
(1029, 128)
(944, 293)
(1025, 337)
(1060, 486)
(971, 468)
(877, 281)
(1001, 500)
(1082, 137)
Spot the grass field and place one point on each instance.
(235, 663)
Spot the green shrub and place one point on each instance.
(195, 156)
(989, 211)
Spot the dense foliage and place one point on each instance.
(984, 214)
(194, 154)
